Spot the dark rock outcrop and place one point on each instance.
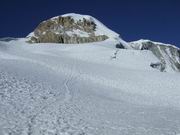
(120, 46)
(158, 65)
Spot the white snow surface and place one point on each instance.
(88, 89)
(77, 32)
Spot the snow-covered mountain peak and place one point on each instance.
(72, 28)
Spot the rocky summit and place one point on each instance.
(70, 29)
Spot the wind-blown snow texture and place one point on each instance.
(89, 89)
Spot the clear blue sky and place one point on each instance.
(157, 20)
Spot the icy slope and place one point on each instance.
(89, 89)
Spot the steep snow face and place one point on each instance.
(71, 28)
(168, 55)
(89, 89)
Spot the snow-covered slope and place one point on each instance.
(89, 89)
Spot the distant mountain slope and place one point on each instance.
(168, 55)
